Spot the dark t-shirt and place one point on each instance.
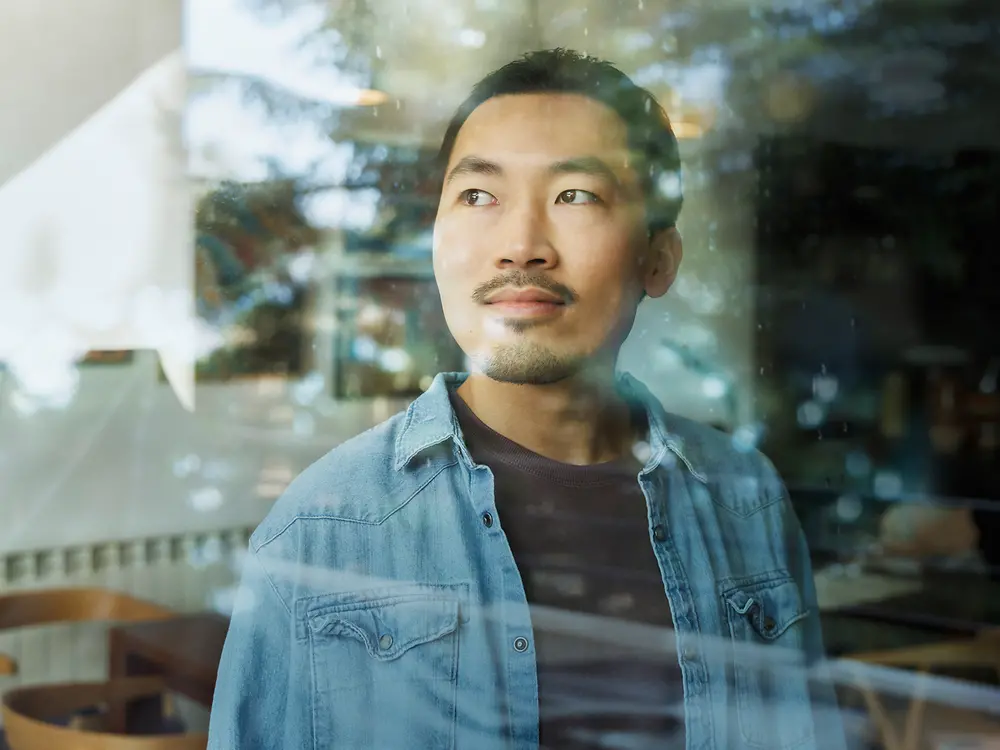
(580, 538)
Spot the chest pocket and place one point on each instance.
(385, 665)
(766, 618)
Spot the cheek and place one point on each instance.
(599, 257)
(457, 248)
(457, 273)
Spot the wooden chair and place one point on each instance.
(922, 718)
(29, 712)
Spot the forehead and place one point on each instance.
(543, 127)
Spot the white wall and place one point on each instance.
(61, 61)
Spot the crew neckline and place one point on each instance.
(487, 445)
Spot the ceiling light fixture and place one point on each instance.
(687, 129)
(370, 97)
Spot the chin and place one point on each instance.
(528, 364)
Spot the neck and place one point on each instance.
(573, 421)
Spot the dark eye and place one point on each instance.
(474, 197)
(577, 197)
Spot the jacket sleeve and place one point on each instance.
(250, 703)
(827, 717)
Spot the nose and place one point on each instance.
(524, 240)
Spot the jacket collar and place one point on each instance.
(430, 420)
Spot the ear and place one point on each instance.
(663, 259)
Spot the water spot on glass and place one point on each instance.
(216, 470)
(309, 388)
(849, 507)
(642, 451)
(243, 601)
(473, 38)
(300, 268)
(207, 553)
(396, 360)
(810, 414)
(701, 495)
(713, 386)
(746, 437)
(669, 184)
(565, 584)
(186, 466)
(857, 464)
(825, 388)
(364, 349)
(887, 485)
(23, 405)
(667, 359)
(304, 424)
(617, 604)
(206, 499)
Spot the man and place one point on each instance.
(411, 589)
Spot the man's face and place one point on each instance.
(541, 252)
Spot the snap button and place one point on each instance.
(520, 644)
(659, 533)
(769, 624)
(487, 520)
(385, 642)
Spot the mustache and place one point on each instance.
(521, 278)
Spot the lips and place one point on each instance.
(524, 296)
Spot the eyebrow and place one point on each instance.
(589, 165)
(474, 165)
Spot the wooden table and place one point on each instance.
(184, 650)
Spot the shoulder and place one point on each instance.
(738, 476)
(355, 481)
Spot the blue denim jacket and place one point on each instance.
(378, 610)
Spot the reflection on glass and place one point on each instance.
(835, 308)
(391, 338)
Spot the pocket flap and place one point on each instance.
(389, 627)
(770, 609)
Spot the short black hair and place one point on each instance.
(560, 70)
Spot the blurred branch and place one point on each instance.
(278, 101)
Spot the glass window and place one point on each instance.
(244, 239)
